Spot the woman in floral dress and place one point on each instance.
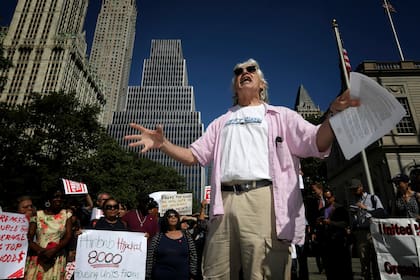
(52, 231)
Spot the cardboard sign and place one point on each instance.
(13, 245)
(182, 203)
(157, 196)
(103, 254)
(397, 246)
(72, 187)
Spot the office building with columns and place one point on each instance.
(397, 151)
(47, 47)
(112, 50)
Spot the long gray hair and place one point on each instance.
(264, 90)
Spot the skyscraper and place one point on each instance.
(112, 51)
(164, 97)
(47, 47)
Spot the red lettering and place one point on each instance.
(19, 220)
(393, 229)
(8, 227)
(13, 247)
(17, 237)
(9, 258)
(4, 218)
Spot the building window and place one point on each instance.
(406, 125)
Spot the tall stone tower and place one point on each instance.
(112, 51)
(164, 97)
(304, 104)
(47, 47)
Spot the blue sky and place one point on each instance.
(292, 40)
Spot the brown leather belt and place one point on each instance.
(245, 186)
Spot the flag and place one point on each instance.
(389, 7)
(346, 62)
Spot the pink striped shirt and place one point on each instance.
(296, 138)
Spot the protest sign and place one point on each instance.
(157, 196)
(13, 245)
(207, 193)
(103, 254)
(397, 246)
(72, 187)
(180, 202)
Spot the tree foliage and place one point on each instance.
(55, 137)
(123, 174)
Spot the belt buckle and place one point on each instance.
(240, 188)
(235, 190)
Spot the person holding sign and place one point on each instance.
(52, 229)
(111, 219)
(25, 206)
(256, 207)
(171, 254)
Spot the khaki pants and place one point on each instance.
(244, 239)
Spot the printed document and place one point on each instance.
(358, 127)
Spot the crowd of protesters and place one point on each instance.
(55, 225)
(336, 231)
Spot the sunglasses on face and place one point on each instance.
(249, 69)
(111, 207)
(172, 216)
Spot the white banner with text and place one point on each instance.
(103, 254)
(13, 244)
(181, 202)
(397, 246)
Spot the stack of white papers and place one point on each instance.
(358, 127)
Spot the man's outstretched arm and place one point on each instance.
(155, 139)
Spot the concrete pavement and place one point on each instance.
(315, 275)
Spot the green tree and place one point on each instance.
(54, 136)
(43, 139)
(123, 174)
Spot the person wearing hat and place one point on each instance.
(361, 208)
(406, 204)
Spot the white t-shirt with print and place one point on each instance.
(245, 145)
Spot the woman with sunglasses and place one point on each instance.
(49, 233)
(171, 254)
(111, 219)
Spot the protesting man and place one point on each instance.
(256, 209)
(362, 209)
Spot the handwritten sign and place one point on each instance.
(397, 245)
(103, 254)
(72, 187)
(13, 245)
(180, 202)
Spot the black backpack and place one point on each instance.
(358, 217)
(379, 213)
